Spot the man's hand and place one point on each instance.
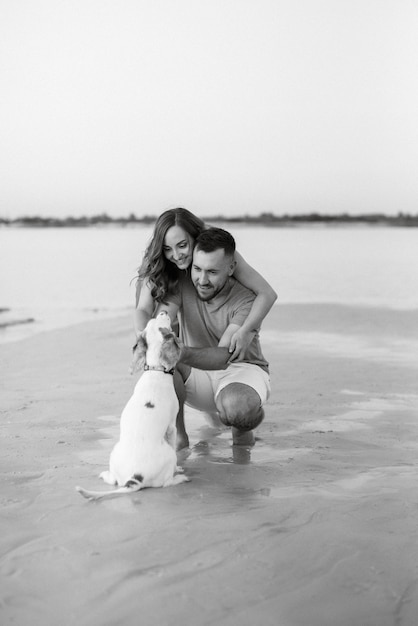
(239, 343)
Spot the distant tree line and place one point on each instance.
(263, 219)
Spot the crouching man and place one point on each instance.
(211, 306)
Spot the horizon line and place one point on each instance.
(263, 216)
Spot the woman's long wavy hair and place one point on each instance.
(161, 274)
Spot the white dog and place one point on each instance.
(145, 455)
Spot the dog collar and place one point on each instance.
(148, 368)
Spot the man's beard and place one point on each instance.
(206, 296)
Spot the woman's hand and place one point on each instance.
(239, 343)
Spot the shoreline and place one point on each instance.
(19, 323)
(314, 526)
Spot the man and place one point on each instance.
(211, 307)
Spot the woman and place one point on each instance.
(170, 252)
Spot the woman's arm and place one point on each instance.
(265, 298)
(145, 306)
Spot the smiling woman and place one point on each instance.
(173, 238)
(178, 247)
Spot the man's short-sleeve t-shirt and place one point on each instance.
(202, 324)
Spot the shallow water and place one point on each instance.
(63, 276)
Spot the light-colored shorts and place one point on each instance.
(204, 386)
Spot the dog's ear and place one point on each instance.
(140, 350)
(170, 349)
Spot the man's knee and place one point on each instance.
(239, 405)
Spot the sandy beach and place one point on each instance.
(317, 525)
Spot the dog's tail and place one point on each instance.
(132, 485)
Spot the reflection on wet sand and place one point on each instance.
(316, 525)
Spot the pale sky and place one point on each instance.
(222, 106)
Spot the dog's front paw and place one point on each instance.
(179, 469)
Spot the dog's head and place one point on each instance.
(157, 345)
(170, 349)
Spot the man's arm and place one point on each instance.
(210, 358)
(205, 358)
(201, 358)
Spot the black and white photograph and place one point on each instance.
(209, 312)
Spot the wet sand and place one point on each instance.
(317, 525)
